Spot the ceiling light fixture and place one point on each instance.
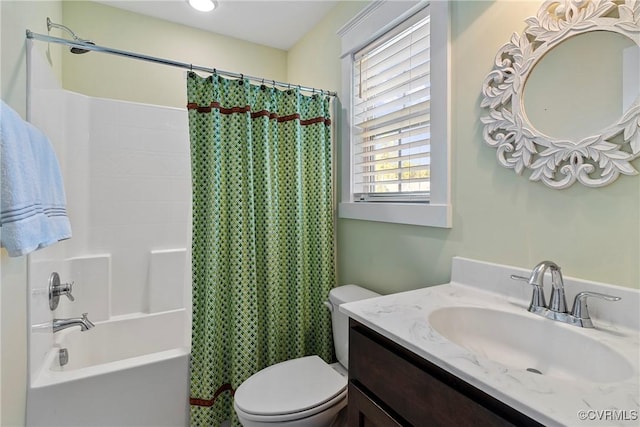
(203, 5)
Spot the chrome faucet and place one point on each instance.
(557, 308)
(84, 323)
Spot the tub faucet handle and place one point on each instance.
(65, 289)
(56, 289)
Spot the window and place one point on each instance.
(395, 157)
(391, 123)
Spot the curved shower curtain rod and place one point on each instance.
(86, 46)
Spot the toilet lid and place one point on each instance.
(292, 386)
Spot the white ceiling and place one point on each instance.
(275, 23)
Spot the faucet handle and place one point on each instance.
(56, 289)
(65, 289)
(581, 310)
(538, 300)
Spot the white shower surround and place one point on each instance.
(127, 177)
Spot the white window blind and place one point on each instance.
(391, 115)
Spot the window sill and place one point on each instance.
(428, 215)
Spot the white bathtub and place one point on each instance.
(128, 371)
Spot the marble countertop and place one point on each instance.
(551, 400)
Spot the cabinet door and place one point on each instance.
(364, 412)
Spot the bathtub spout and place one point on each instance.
(84, 323)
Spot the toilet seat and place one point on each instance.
(339, 401)
(291, 390)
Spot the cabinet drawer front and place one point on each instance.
(364, 412)
(397, 378)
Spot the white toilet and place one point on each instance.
(305, 392)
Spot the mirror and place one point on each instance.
(558, 97)
(578, 102)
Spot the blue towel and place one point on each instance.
(33, 211)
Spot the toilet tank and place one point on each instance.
(340, 321)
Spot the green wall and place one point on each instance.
(497, 216)
(110, 76)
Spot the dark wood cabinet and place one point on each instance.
(391, 386)
(368, 413)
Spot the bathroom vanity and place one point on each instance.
(391, 386)
(469, 353)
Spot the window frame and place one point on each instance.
(371, 23)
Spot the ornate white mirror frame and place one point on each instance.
(594, 161)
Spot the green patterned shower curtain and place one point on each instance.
(263, 234)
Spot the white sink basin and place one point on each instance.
(525, 342)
